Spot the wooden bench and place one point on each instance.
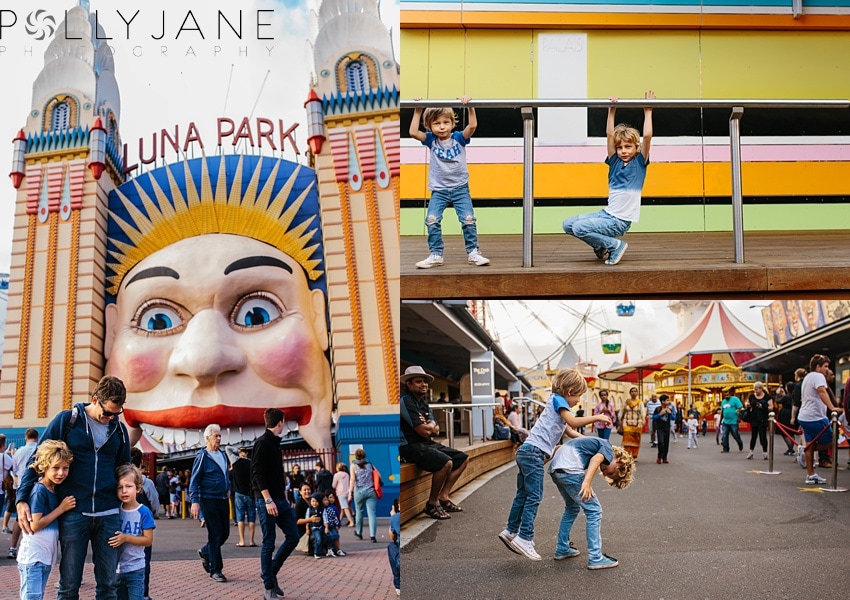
(416, 483)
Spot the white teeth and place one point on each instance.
(147, 429)
(292, 425)
(158, 433)
(167, 436)
(193, 437)
(180, 437)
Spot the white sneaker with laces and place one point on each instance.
(507, 537)
(330, 553)
(525, 547)
(815, 479)
(476, 259)
(433, 260)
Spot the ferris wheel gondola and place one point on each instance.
(626, 308)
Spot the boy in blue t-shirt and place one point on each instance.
(448, 179)
(627, 161)
(572, 469)
(136, 533)
(39, 551)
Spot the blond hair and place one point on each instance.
(626, 133)
(431, 114)
(625, 468)
(50, 452)
(568, 380)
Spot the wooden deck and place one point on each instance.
(777, 264)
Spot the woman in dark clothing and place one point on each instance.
(783, 404)
(759, 406)
(296, 481)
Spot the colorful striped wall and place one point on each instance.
(790, 179)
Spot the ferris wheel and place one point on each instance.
(546, 329)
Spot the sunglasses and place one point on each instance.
(109, 414)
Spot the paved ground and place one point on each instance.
(177, 573)
(705, 526)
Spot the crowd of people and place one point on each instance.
(82, 485)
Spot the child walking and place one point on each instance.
(567, 387)
(136, 533)
(693, 431)
(627, 161)
(663, 417)
(330, 517)
(448, 179)
(39, 551)
(572, 469)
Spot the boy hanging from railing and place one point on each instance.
(627, 161)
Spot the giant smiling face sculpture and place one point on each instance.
(219, 312)
(215, 329)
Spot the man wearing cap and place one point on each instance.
(418, 426)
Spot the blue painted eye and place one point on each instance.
(159, 318)
(256, 312)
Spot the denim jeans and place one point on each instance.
(394, 555)
(366, 501)
(604, 433)
(75, 532)
(131, 586)
(217, 516)
(34, 580)
(148, 555)
(270, 565)
(529, 491)
(733, 429)
(461, 200)
(244, 507)
(569, 484)
(598, 230)
(317, 541)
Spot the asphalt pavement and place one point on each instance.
(176, 572)
(705, 526)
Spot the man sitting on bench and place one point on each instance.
(417, 428)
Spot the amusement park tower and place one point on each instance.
(353, 117)
(65, 164)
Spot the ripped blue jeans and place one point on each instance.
(461, 200)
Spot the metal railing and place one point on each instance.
(526, 105)
(465, 409)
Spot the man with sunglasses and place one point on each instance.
(100, 444)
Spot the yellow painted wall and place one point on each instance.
(499, 63)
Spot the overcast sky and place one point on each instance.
(197, 80)
(527, 341)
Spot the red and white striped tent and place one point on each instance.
(718, 337)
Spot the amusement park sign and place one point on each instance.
(258, 133)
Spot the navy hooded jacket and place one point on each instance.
(91, 478)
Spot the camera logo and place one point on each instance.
(40, 25)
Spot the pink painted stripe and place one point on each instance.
(596, 154)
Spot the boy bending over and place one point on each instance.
(572, 469)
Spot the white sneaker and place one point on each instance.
(330, 553)
(815, 479)
(476, 259)
(507, 537)
(525, 547)
(433, 260)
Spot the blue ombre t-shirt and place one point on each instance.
(625, 184)
(549, 428)
(448, 168)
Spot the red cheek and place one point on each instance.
(140, 371)
(284, 361)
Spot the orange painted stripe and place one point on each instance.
(569, 20)
(663, 180)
